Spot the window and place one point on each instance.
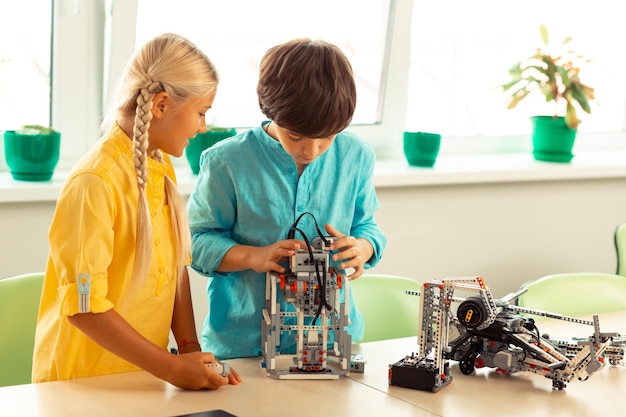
(52, 70)
(419, 65)
(25, 63)
(235, 35)
(461, 51)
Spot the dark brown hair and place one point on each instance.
(307, 87)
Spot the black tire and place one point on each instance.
(466, 366)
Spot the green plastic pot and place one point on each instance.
(31, 157)
(204, 141)
(553, 140)
(421, 148)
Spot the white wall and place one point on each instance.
(508, 233)
(23, 236)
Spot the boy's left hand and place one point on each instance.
(351, 251)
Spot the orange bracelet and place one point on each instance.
(187, 342)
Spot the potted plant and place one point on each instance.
(203, 141)
(32, 152)
(555, 74)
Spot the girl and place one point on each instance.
(116, 279)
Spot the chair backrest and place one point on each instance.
(620, 248)
(388, 312)
(19, 307)
(576, 294)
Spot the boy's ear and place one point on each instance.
(160, 103)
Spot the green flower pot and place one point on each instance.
(421, 148)
(553, 140)
(203, 141)
(31, 157)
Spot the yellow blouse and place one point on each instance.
(90, 265)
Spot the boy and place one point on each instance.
(252, 187)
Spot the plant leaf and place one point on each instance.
(544, 34)
(577, 93)
(570, 117)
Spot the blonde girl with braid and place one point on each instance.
(116, 280)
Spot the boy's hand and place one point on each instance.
(351, 252)
(268, 258)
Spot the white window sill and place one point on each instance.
(449, 170)
(497, 168)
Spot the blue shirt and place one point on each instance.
(249, 192)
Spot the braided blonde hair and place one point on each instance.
(169, 63)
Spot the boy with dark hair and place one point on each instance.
(252, 187)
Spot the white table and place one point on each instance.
(139, 394)
(485, 393)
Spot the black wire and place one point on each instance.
(322, 291)
(322, 284)
(536, 329)
(323, 302)
(291, 234)
(306, 240)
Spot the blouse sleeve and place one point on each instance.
(81, 244)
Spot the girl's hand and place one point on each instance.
(351, 251)
(190, 371)
(233, 377)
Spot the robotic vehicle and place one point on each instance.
(488, 332)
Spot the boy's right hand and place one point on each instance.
(268, 258)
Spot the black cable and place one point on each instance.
(306, 240)
(323, 302)
(321, 293)
(535, 329)
(322, 285)
(291, 234)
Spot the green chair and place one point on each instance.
(388, 312)
(19, 307)
(575, 294)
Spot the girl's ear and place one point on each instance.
(160, 104)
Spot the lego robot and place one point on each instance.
(319, 295)
(486, 332)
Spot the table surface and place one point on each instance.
(483, 393)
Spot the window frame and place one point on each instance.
(76, 75)
(395, 69)
(92, 41)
